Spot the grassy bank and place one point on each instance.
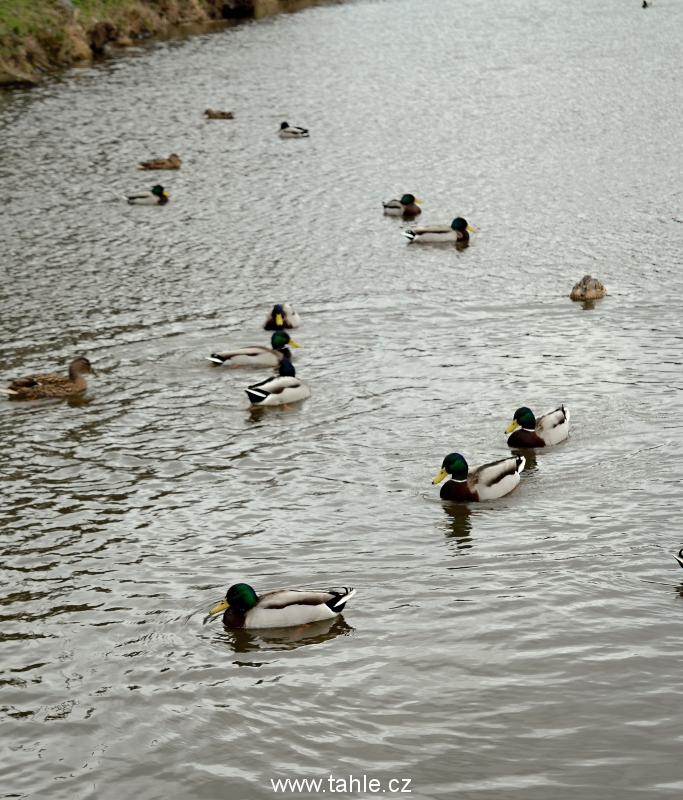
(39, 35)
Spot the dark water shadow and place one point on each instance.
(458, 523)
(251, 641)
(530, 456)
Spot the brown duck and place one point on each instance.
(53, 384)
(219, 114)
(172, 162)
(588, 288)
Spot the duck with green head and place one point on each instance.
(256, 355)
(551, 428)
(243, 608)
(457, 231)
(158, 196)
(486, 482)
(405, 207)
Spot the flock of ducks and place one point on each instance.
(242, 607)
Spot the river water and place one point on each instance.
(526, 648)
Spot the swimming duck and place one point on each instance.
(172, 162)
(403, 207)
(157, 197)
(551, 428)
(286, 388)
(678, 558)
(219, 114)
(288, 131)
(485, 482)
(455, 232)
(53, 384)
(588, 289)
(282, 316)
(257, 355)
(280, 609)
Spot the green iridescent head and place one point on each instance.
(280, 339)
(241, 597)
(407, 199)
(459, 224)
(523, 418)
(455, 466)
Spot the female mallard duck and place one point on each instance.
(281, 609)
(257, 355)
(551, 428)
(282, 316)
(286, 388)
(486, 482)
(53, 384)
(157, 197)
(679, 558)
(455, 232)
(404, 207)
(588, 289)
(172, 162)
(219, 114)
(288, 131)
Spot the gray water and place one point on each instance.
(527, 648)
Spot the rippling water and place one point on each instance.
(525, 648)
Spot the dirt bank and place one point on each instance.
(43, 35)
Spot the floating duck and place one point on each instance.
(281, 609)
(257, 355)
(53, 384)
(172, 162)
(157, 197)
(219, 114)
(286, 388)
(551, 428)
(288, 131)
(282, 316)
(403, 207)
(679, 558)
(588, 289)
(485, 482)
(455, 232)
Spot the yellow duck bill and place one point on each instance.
(220, 607)
(472, 230)
(512, 426)
(443, 474)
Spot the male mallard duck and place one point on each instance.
(485, 482)
(286, 388)
(588, 289)
(403, 207)
(678, 558)
(219, 114)
(257, 355)
(288, 131)
(53, 384)
(281, 609)
(551, 428)
(172, 162)
(282, 316)
(455, 232)
(157, 197)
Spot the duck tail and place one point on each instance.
(521, 461)
(566, 412)
(409, 234)
(256, 395)
(9, 391)
(340, 598)
(215, 358)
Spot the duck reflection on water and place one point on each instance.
(458, 524)
(249, 641)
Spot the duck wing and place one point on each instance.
(496, 478)
(49, 379)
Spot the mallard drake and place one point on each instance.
(455, 232)
(280, 609)
(485, 482)
(157, 197)
(679, 558)
(588, 289)
(404, 207)
(172, 162)
(257, 355)
(288, 131)
(219, 114)
(286, 388)
(282, 316)
(551, 428)
(53, 384)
